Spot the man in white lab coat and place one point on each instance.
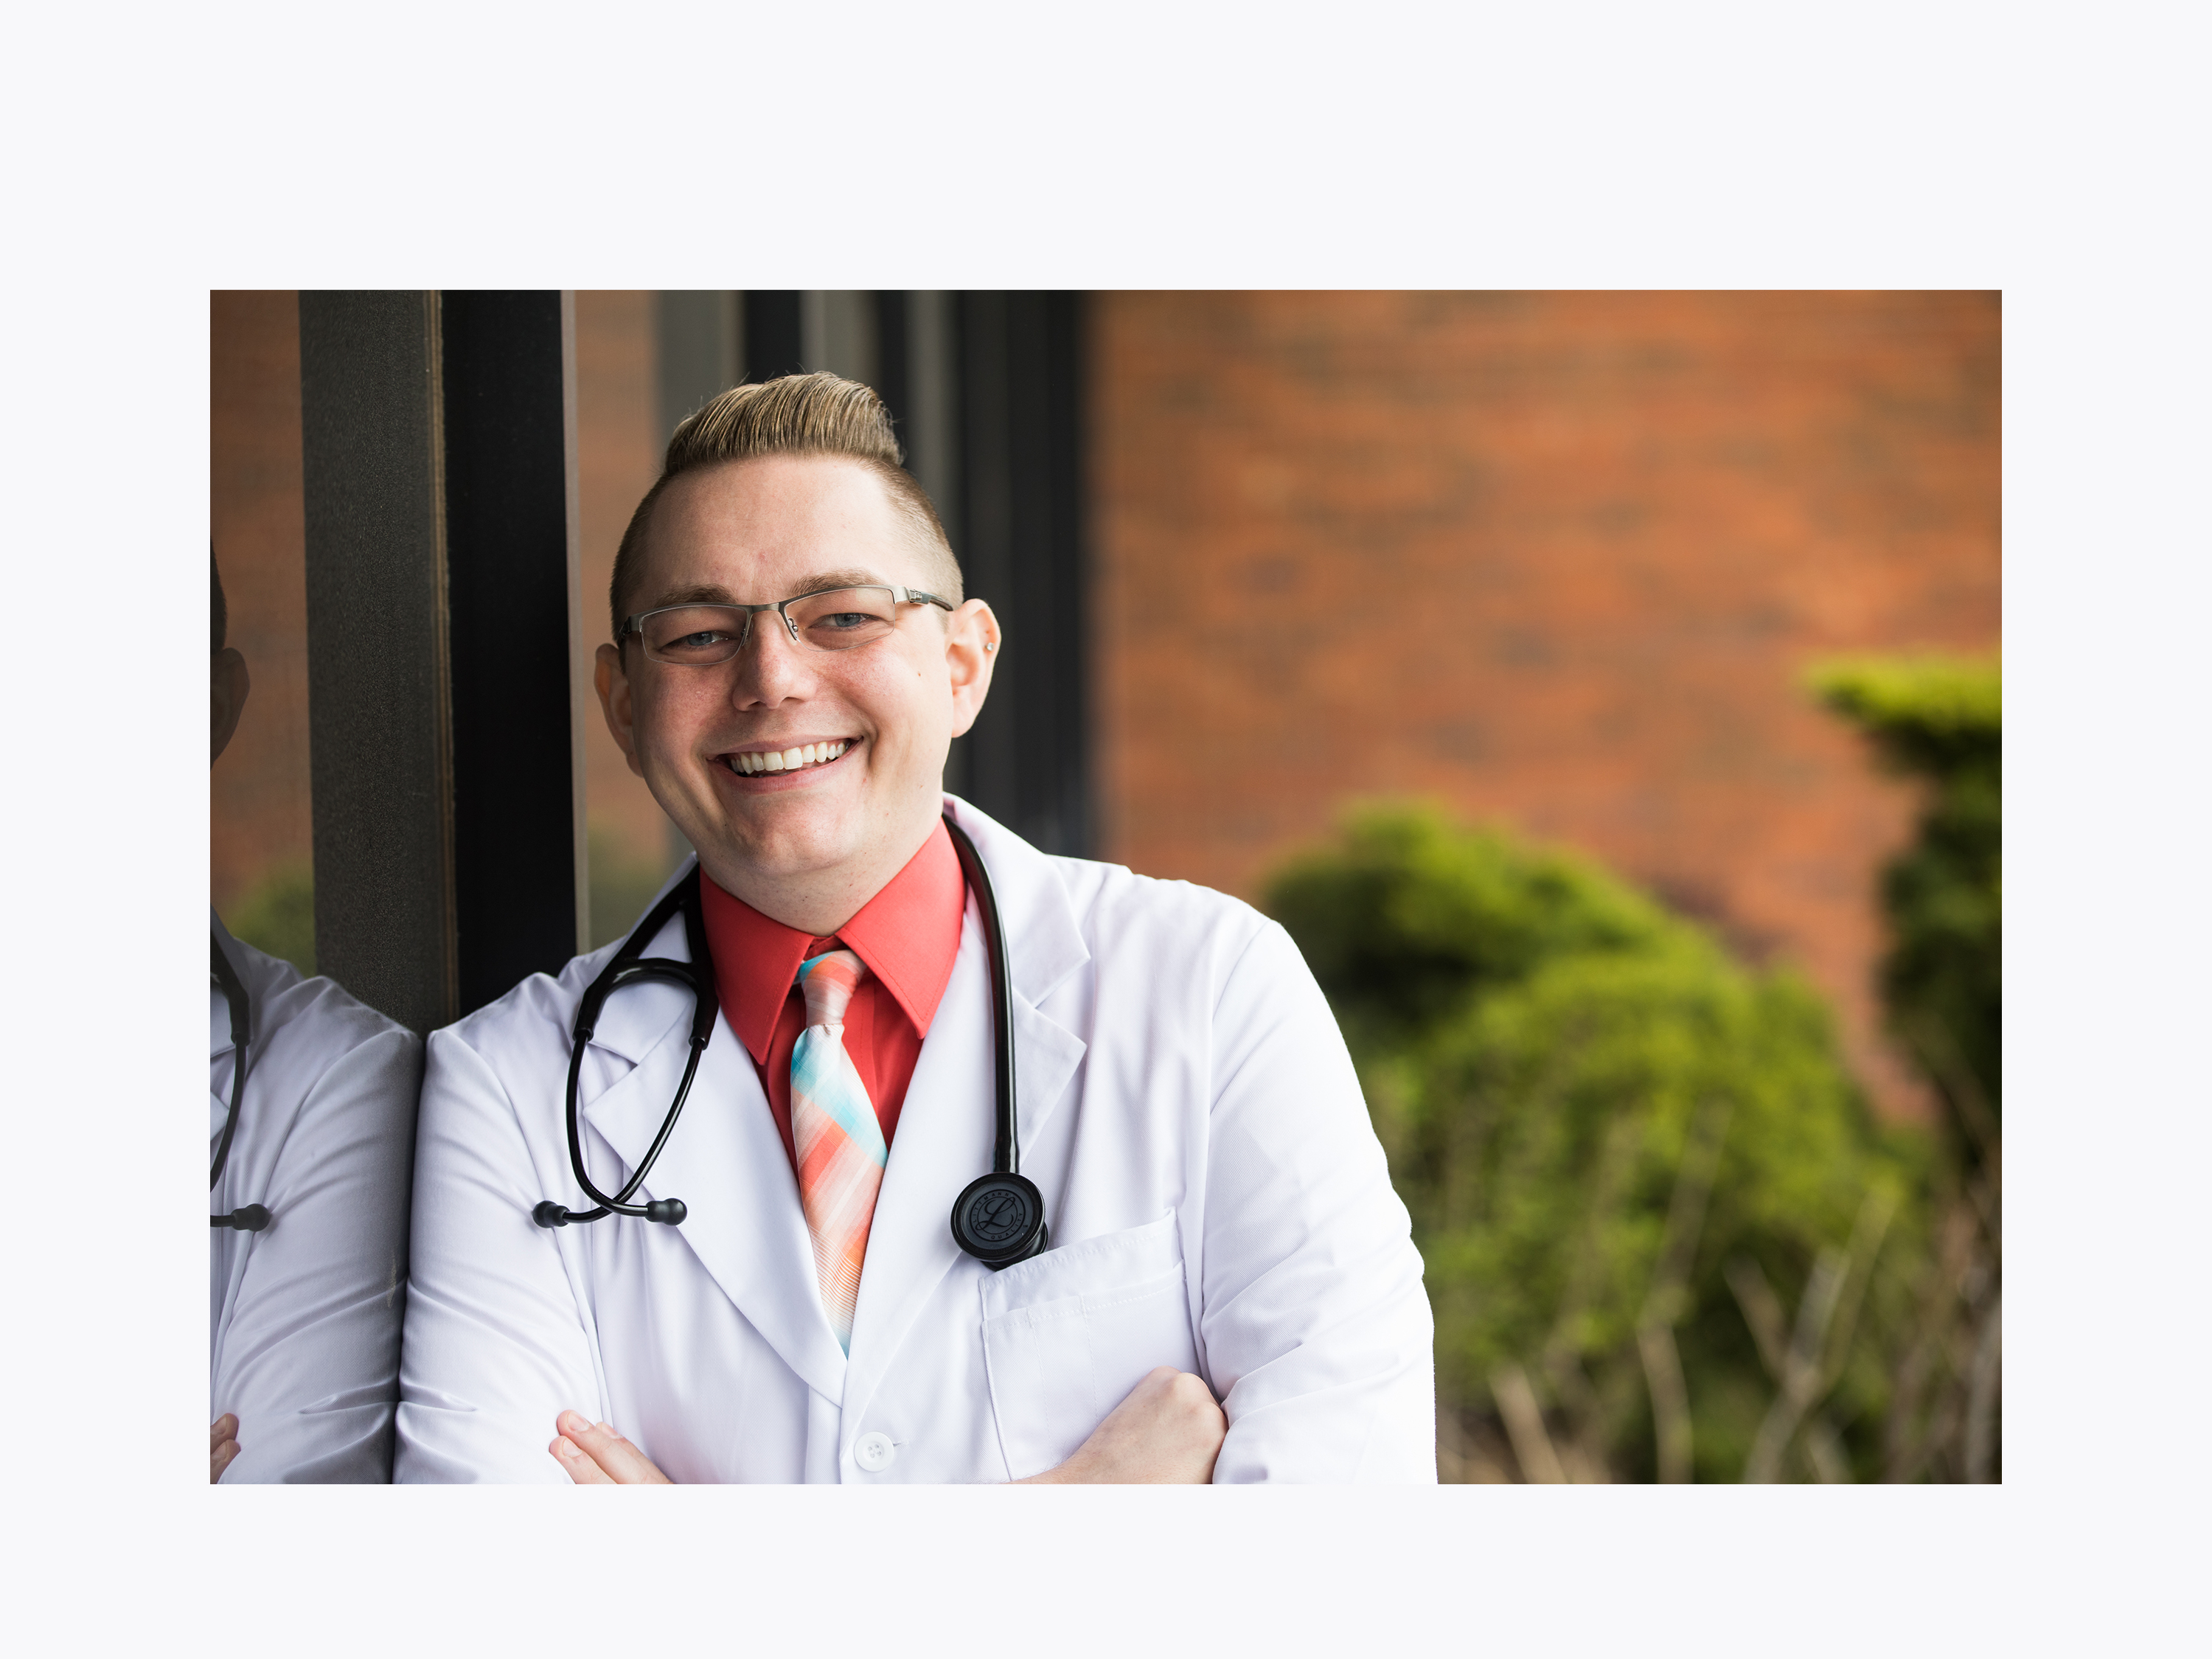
(310, 1164)
(793, 656)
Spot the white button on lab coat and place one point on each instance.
(874, 1452)
(305, 1315)
(1217, 1202)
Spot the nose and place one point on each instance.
(768, 667)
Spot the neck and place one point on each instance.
(818, 902)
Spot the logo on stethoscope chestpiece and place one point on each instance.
(1000, 1219)
(998, 1216)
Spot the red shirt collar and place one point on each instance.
(908, 934)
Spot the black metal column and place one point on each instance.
(511, 581)
(1027, 760)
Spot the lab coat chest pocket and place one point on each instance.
(1067, 1334)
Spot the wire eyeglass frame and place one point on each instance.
(635, 624)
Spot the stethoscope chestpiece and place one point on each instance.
(999, 1220)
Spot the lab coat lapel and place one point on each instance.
(943, 1143)
(948, 1121)
(1044, 944)
(727, 1163)
(1042, 939)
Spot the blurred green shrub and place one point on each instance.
(1941, 718)
(277, 916)
(1621, 1150)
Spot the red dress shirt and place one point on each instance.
(908, 935)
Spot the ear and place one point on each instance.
(972, 644)
(229, 683)
(613, 686)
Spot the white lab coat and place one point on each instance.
(305, 1315)
(1217, 1199)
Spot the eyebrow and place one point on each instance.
(712, 594)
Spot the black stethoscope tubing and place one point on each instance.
(999, 1218)
(248, 1217)
(627, 968)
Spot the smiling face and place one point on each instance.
(809, 845)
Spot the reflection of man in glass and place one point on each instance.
(311, 1141)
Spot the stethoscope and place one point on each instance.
(999, 1218)
(248, 1217)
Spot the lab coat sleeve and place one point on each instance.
(311, 1361)
(1317, 1330)
(496, 1344)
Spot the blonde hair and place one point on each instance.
(796, 414)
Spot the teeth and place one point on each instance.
(789, 760)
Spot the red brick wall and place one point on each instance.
(1556, 559)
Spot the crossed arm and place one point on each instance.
(1167, 1432)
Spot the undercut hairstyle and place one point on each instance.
(796, 414)
(220, 612)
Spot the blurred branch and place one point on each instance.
(1670, 1401)
(1982, 1398)
(1524, 1423)
(1944, 1403)
(1937, 1050)
(1814, 1361)
(1912, 1443)
(1867, 1234)
(1583, 1452)
(1762, 1311)
(1800, 1376)
(1451, 1446)
(1664, 1302)
(1825, 1452)
(1561, 1357)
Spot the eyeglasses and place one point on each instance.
(828, 619)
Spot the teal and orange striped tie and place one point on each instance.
(834, 1129)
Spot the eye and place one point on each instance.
(843, 619)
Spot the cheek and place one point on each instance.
(899, 701)
(665, 720)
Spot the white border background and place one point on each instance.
(154, 154)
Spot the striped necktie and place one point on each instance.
(834, 1129)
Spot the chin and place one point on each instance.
(787, 836)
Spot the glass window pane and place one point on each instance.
(262, 833)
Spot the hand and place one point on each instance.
(1167, 1432)
(595, 1456)
(222, 1445)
